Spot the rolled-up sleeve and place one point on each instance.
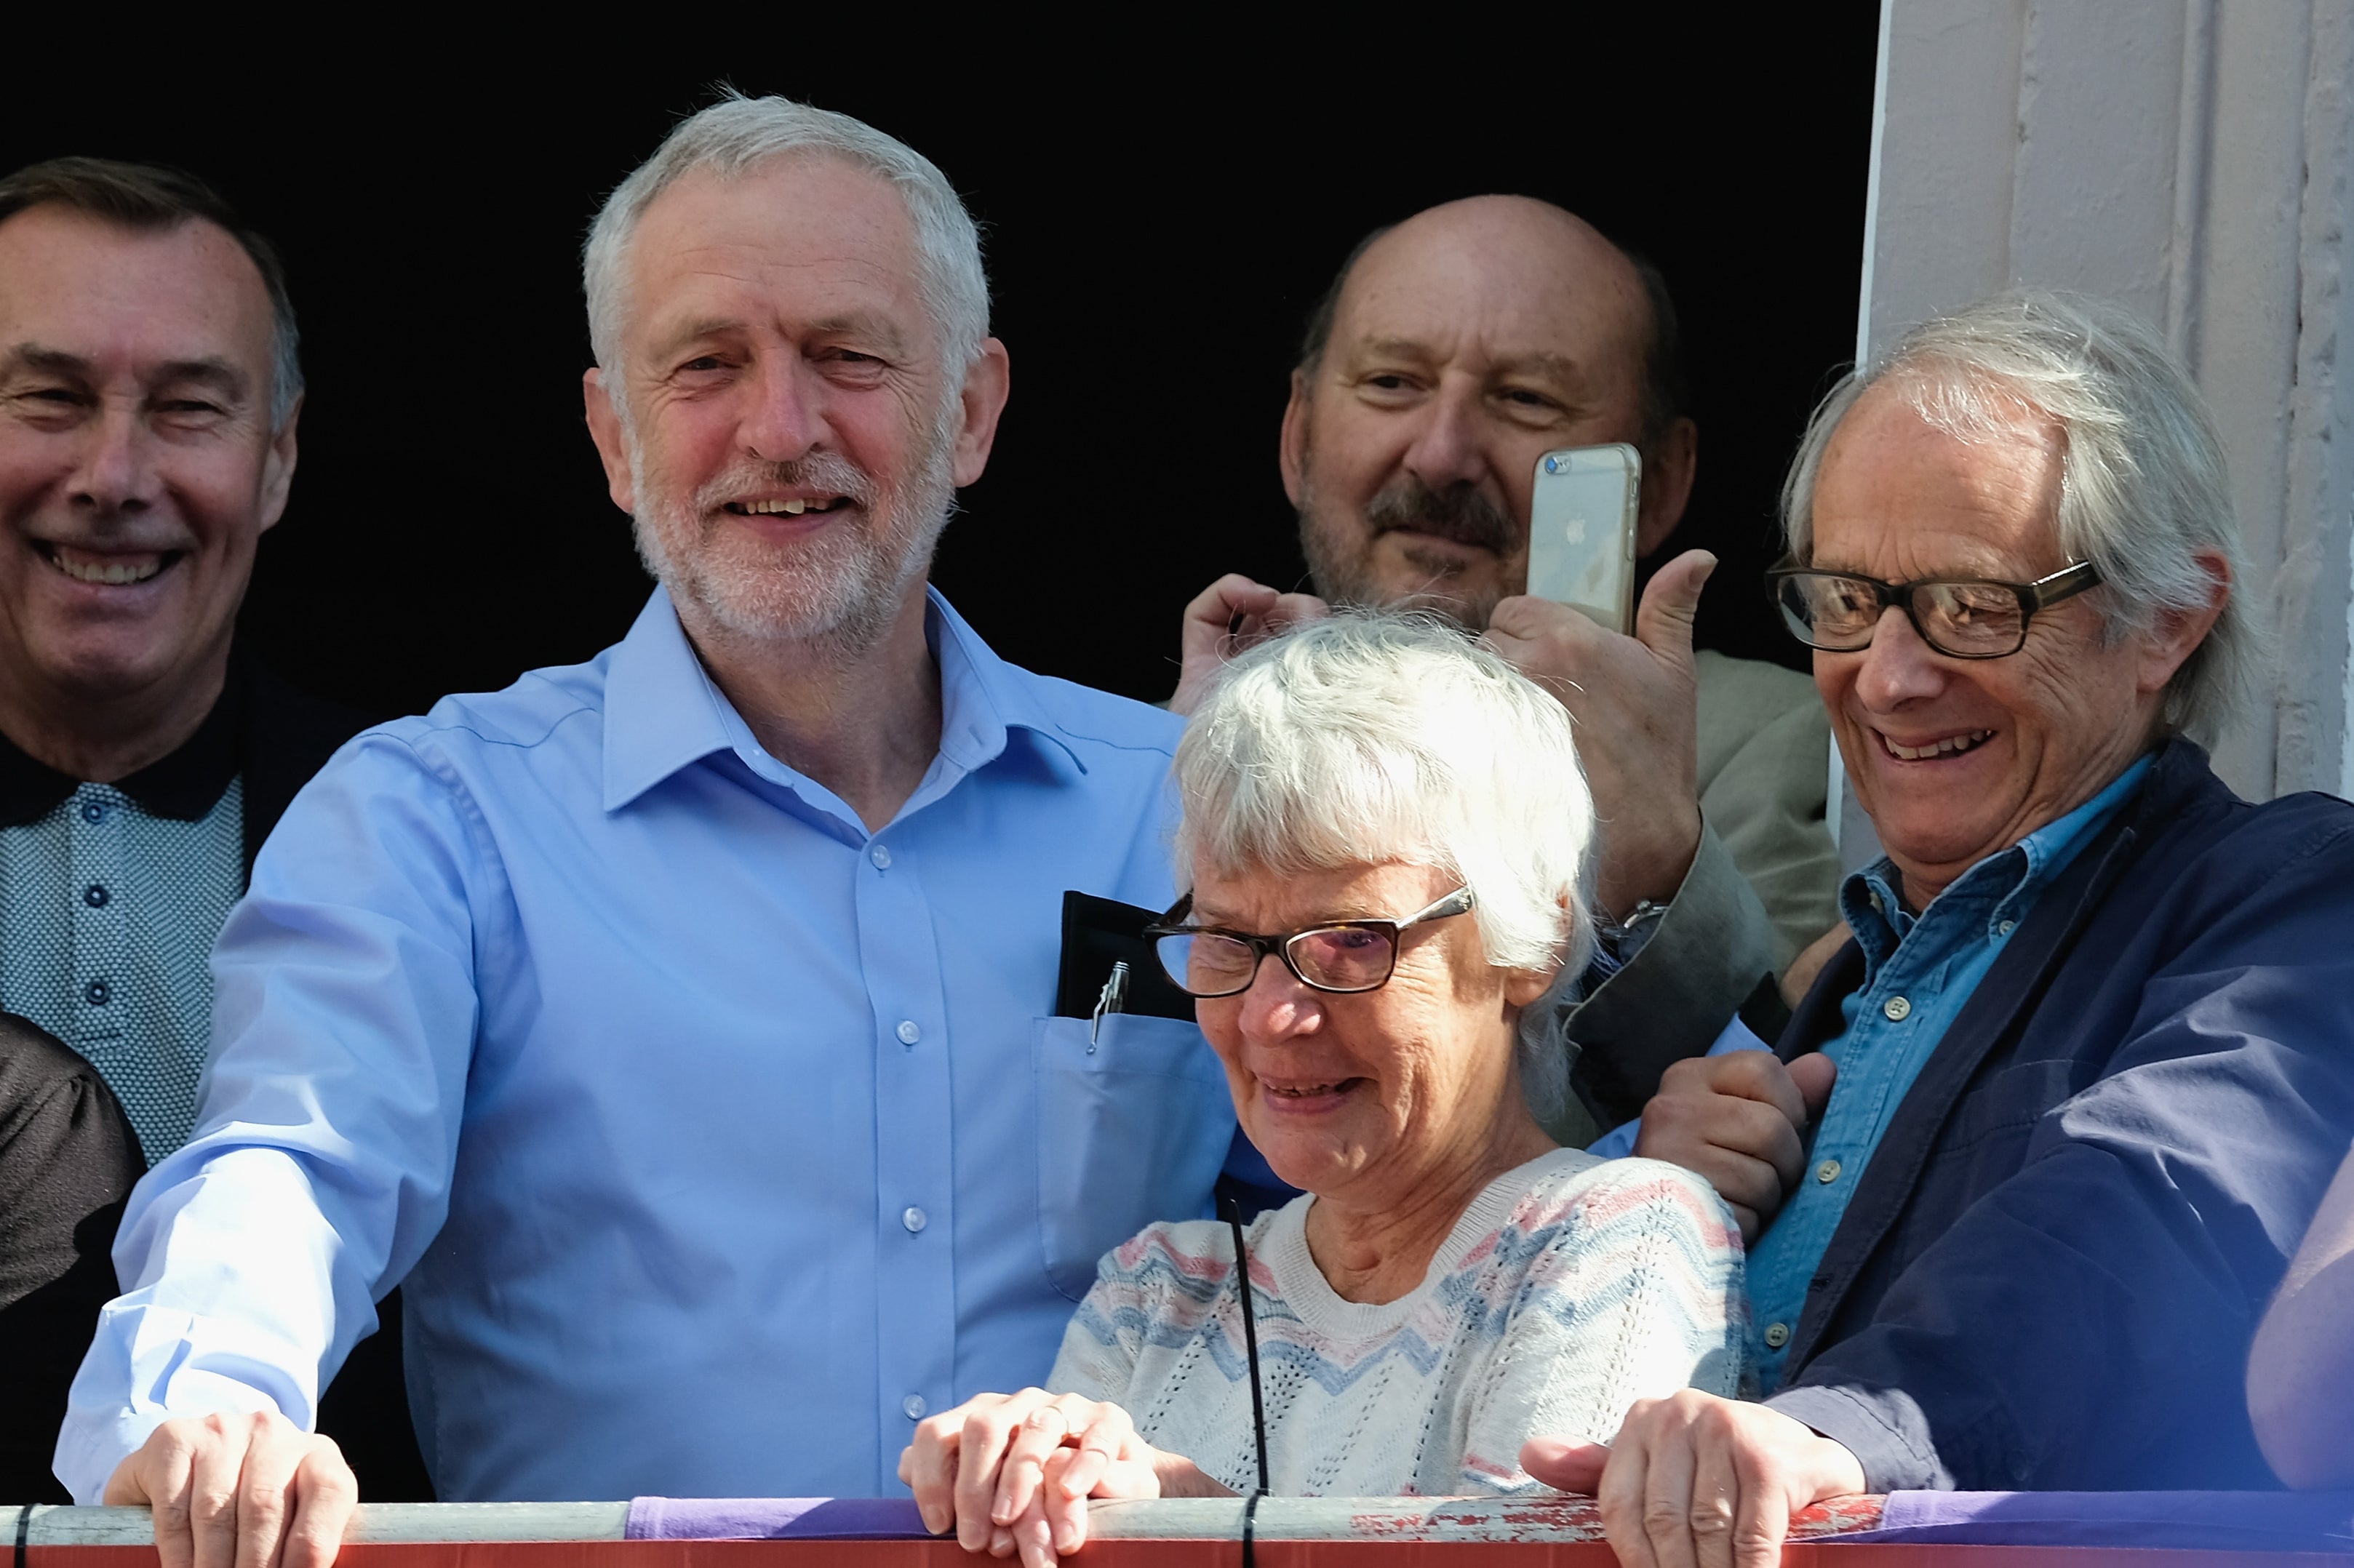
(345, 1012)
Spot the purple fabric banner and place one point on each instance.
(2244, 1521)
(774, 1519)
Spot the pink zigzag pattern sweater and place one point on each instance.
(1571, 1287)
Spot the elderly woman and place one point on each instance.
(1384, 833)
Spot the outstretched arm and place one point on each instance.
(344, 1020)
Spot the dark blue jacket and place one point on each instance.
(2051, 1270)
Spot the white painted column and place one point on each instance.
(2193, 160)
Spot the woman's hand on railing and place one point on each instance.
(1012, 1472)
(236, 1490)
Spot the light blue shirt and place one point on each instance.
(715, 1138)
(1918, 973)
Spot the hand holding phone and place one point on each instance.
(1581, 519)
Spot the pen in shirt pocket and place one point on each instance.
(1113, 999)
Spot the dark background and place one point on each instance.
(1159, 214)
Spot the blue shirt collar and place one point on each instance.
(2007, 882)
(664, 712)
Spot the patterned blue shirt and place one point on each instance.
(111, 895)
(1919, 971)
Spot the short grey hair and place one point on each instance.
(1377, 736)
(739, 134)
(2143, 486)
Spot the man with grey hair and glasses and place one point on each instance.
(675, 1025)
(2082, 1068)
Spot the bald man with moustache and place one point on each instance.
(1451, 352)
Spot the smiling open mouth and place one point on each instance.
(1949, 746)
(111, 570)
(792, 508)
(1311, 1091)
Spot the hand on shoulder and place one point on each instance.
(1736, 1119)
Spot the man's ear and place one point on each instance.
(988, 382)
(1668, 469)
(1293, 453)
(277, 468)
(2175, 634)
(605, 429)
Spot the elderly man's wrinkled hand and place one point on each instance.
(1012, 1472)
(1229, 616)
(239, 1491)
(1696, 1482)
(1635, 702)
(1738, 1121)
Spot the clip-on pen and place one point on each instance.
(1113, 1000)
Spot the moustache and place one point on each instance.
(1459, 513)
(823, 471)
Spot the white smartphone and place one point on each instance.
(1582, 531)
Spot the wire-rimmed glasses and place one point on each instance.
(1339, 956)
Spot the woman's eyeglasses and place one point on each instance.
(1343, 956)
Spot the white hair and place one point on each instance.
(1377, 737)
(2143, 487)
(739, 134)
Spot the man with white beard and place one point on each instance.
(672, 1025)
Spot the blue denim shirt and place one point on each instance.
(1918, 973)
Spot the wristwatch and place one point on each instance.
(1626, 937)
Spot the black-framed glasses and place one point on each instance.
(1341, 956)
(1962, 617)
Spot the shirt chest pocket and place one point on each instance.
(1134, 1130)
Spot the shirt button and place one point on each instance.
(908, 1033)
(913, 1407)
(92, 812)
(96, 993)
(2004, 930)
(1828, 1171)
(94, 896)
(881, 856)
(1777, 1335)
(1897, 1008)
(915, 1219)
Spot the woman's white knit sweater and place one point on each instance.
(1571, 1287)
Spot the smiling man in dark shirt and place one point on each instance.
(149, 393)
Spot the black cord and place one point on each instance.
(25, 1532)
(1250, 1509)
(1250, 1349)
